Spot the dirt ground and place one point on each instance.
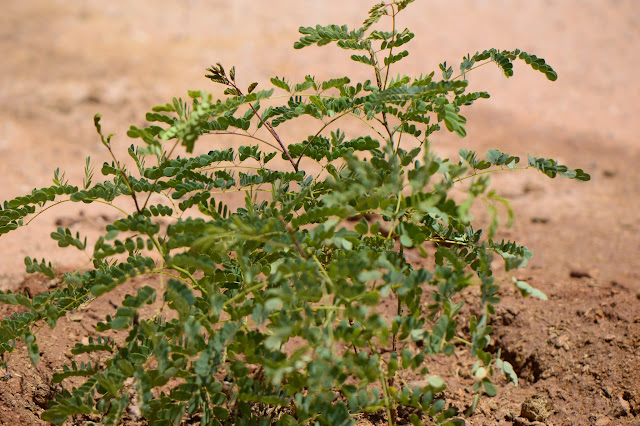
(577, 354)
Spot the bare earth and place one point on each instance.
(64, 61)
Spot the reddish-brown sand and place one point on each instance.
(63, 61)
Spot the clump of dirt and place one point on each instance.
(574, 355)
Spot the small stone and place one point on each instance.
(627, 395)
(615, 283)
(134, 411)
(603, 421)
(76, 317)
(536, 408)
(521, 421)
(54, 283)
(609, 338)
(620, 408)
(541, 220)
(562, 342)
(576, 273)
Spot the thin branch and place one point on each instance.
(471, 69)
(124, 176)
(293, 238)
(376, 68)
(65, 201)
(268, 126)
(315, 136)
(246, 136)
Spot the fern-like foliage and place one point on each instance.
(270, 310)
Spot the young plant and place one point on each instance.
(272, 310)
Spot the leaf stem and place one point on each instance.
(65, 201)
(471, 69)
(376, 69)
(330, 315)
(125, 178)
(460, 339)
(194, 282)
(157, 179)
(385, 387)
(246, 136)
(393, 32)
(315, 136)
(244, 293)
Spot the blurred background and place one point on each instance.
(65, 60)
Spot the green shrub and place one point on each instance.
(270, 312)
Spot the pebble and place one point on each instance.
(521, 421)
(562, 342)
(576, 273)
(541, 220)
(536, 408)
(620, 408)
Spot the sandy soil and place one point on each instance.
(64, 61)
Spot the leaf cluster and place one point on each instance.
(270, 311)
